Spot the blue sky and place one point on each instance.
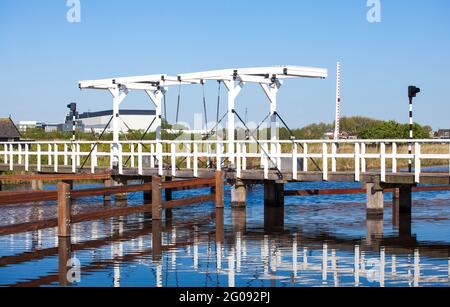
(42, 56)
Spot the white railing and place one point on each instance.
(328, 157)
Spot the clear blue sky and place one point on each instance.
(42, 56)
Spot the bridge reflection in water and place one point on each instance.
(201, 249)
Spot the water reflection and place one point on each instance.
(206, 247)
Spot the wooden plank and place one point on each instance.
(188, 183)
(219, 191)
(324, 192)
(64, 209)
(22, 197)
(156, 198)
(54, 177)
(188, 201)
(109, 213)
(27, 227)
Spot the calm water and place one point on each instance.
(325, 241)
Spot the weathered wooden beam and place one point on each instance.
(188, 183)
(157, 205)
(219, 189)
(64, 210)
(188, 201)
(54, 177)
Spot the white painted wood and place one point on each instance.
(11, 157)
(383, 161)
(49, 154)
(74, 159)
(55, 158)
(325, 161)
(152, 156)
(417, 163)
(132, 155)
(218, 156)
(363, 158)
(357, 162)
(238, 161)
(120, 154)
(27, 157)
(333, 157)
(39, 157)
(244, 157)
(140, 169)
(394, 158)
(305, 157)
(66, 158)
(19, 154)
(195, 160)
(173, 151)
(295, 161)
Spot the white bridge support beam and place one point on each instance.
(234, 89)
(157, 96)
(271, 91)
(119, 93)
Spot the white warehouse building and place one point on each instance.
(129, 120)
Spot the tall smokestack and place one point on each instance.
(337, 130)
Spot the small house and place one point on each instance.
(8, 131)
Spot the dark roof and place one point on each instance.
(122, 112)
(8, 130)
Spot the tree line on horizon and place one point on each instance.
(362, 127)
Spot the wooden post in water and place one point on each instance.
(64, 256)
(375, 200)
(107, 184)
(64, 209)
(157, 198)
(219, 189)
(168, 197)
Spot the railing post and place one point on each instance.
(11, 157)
(295, 161)
(218, 157)
(357, 162)
(325, 161)
(93, 158)
(38, 157)
(74, 158)
(157, 198)
(333, 158)
(238, 161)
(195, 160)
(56, 158)
(64, 209)
(49, 154)
(173, 151)
(305, 157)
(160, 155)
(244, 156)
(66, 159)
(19, 154)
(394, 158)
(140, 170)
(152, 155)
(120, 159)
(189, 159)
(383, 162)
(417, 163)
(219, 176)
(132, 152)
(363, 158)
(266, 161)
(78, 155)
(27, 157)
